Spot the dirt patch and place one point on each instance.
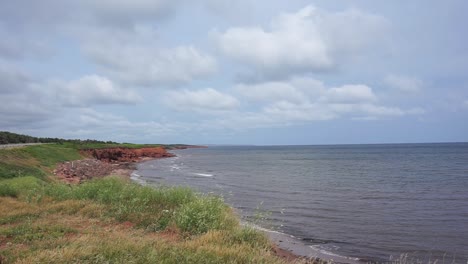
(79, 170)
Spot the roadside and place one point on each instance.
(20, 145)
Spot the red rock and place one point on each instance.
(126, 154)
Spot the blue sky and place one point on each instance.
(243, 72)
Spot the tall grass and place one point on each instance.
(150, 208)
(37, 161)
(111, 220)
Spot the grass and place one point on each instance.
(111, 220)
(40, 160)
(37, 161)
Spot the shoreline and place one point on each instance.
(285, 246)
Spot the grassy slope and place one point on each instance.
(35, 161)
(112, 220)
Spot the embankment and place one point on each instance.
(106, 161)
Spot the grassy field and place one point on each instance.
(112, 220)
(37, 161)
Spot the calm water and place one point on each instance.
(364, 201)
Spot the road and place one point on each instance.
(10, 146)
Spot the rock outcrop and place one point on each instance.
(127, 154)
(79, 170)
(102, 162)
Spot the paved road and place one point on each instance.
(10, 146)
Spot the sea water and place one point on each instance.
(370, 202)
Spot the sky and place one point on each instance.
(235, 72)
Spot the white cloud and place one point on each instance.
(306, 99)
(135, 58)
(349, 94)
(404, 83)
(297, 90)
(89, 123)
(12, 79)
(289, 112)
(271, 91)
(205, 100)
(92, 90)
(308, 40)
(24, 110)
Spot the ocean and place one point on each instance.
(368, 202)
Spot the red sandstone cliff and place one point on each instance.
(127, 154)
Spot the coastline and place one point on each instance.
(285, 246)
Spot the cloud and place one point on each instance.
(309, 40)
(135, 58)
(307, 99)
(12, 79)
(296, 90)
(270, 91)
(350, 94)
(92, 90)
(26, 102)
(205, 100)
(404, 83)
(124, 11)
(24, 111)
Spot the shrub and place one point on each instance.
(203, 214)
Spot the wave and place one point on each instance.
(328, 253)
(174, 167)
(204, 174)
(137, 178)
(296, 246)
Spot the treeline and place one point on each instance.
(13, 138)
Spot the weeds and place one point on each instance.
(112, 221)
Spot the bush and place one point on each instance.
(203, 214)
(23, 185)
(6, 190)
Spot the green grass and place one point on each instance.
(24, 185)
(111, 220)
(37, 161)
(150, 208)
(50, 154)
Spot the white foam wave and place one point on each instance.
(265, 229)
(137, 178)
(331, 254)
(175, 167)
(204, 174)
(316, 251)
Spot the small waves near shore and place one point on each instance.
(366, 202)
